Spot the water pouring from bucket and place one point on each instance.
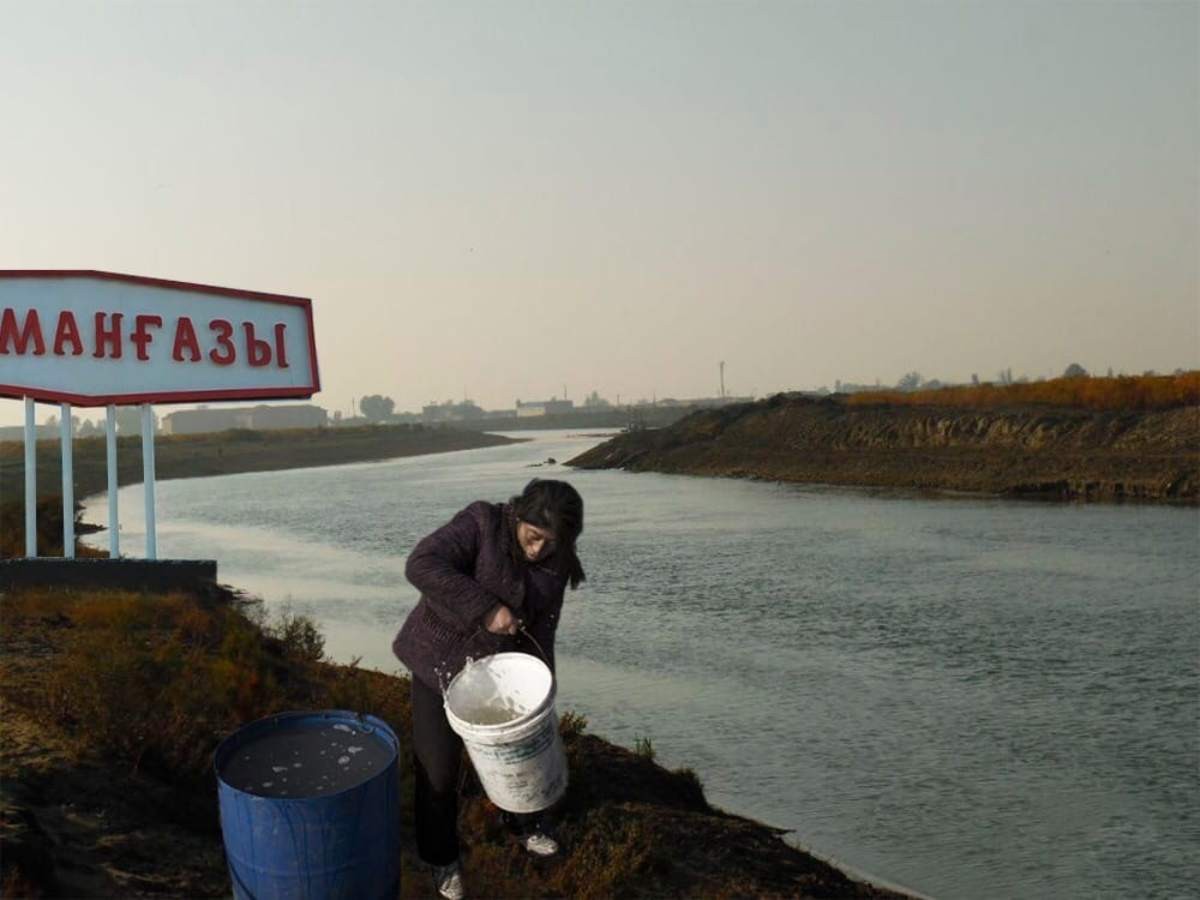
(502, 706)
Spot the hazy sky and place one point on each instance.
(504, 198)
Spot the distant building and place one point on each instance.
(451, 411)
(551, 407)
(696, 402)
(199, 421)
(257, 418)
(847, 387)
(206, 420)
(262, 418)
(594, 402)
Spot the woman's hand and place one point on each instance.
(500, 620)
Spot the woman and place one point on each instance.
(491, 580)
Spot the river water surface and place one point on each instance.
(966, 697)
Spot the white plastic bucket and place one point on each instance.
(520, 762)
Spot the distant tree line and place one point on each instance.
(1074, 388)
(911, 382)
(129, 421)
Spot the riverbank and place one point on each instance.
(114, 702)
(198, 455)
(1044, 451)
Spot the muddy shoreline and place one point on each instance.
(200, 455)
(107, 789)
(1042, 453)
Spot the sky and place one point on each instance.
(503, 200)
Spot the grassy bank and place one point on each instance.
(1120, 393)
(196, 455)
(113, 704)
(1046, 451)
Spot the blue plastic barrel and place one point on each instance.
(310, 807)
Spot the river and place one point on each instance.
(967, 697)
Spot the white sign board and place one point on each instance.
(98, 338)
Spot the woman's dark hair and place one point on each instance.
(557, 507)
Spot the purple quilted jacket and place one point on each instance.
(462, 570)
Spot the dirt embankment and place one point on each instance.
(195, 455)
(1042, 452)
(112, 705)
(237, 450)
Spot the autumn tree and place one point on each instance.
(376, 407)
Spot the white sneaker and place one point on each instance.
(448, 881)
(540, 844)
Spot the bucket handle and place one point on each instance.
(541, 652)
(525, 631)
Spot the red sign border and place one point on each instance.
(17, 392)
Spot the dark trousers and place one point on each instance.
(437, 754)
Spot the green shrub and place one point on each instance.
(571, 725)
(300, 637)
(643, 747)
(159, 680)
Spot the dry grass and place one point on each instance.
(158, 680)
(12, 526)
(136, 691)
(143, 687)
(15, 884)
(1138, 392)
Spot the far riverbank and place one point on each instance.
(199, 455)
(1044, 452)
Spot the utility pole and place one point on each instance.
(722, 379)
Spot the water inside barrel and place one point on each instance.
(306, 761)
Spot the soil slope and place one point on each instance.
(112, 704)
(195, 455)
(1044, 452)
